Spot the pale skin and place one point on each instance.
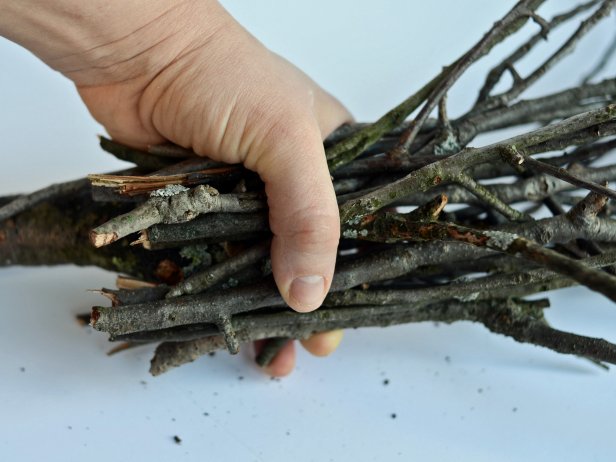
(185, 71)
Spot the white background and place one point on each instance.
(458, 392)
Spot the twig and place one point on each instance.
(501, 29)
(521, 85)
(447, 169)
(139, 185)
(390, 227)
(56, 232)
(173, 206)
(489, 198)
(190, 165)
(383, 265)
(271, 347)
(202, 281)
(507, 284)
(349, 148)
(515, 156)
(140, 158)
(28, 201)
(602, 63)
(170, 150)
(208, 228)
(518, 319)
(127, 282)
(495, 74)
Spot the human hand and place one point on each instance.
(186, 72)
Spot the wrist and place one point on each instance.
(102, 42)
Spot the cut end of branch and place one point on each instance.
(120, 348)
(129, 283)
(102, 239)
(143, 240)
(94, 316)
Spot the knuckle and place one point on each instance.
(310, 229)
(276, 136)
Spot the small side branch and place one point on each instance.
(510, 23)
(491, 199)
(602, 63)
(508, 63)
(516, 157)
(521, 85)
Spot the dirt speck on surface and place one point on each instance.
(393, 415)
(177, 439)
(385, 382)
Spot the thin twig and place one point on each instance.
(521, 320)
(202, 281)
(271, 347)
(496, 34)
(28, 201)
(507, 64)
(518, 87)
(516, 156)
(447, 169)
(489, 198)
(602, 63)
(173, 206)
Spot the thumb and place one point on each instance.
(303, 210)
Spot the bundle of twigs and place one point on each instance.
(432, 229)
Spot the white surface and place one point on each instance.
(493, 400)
